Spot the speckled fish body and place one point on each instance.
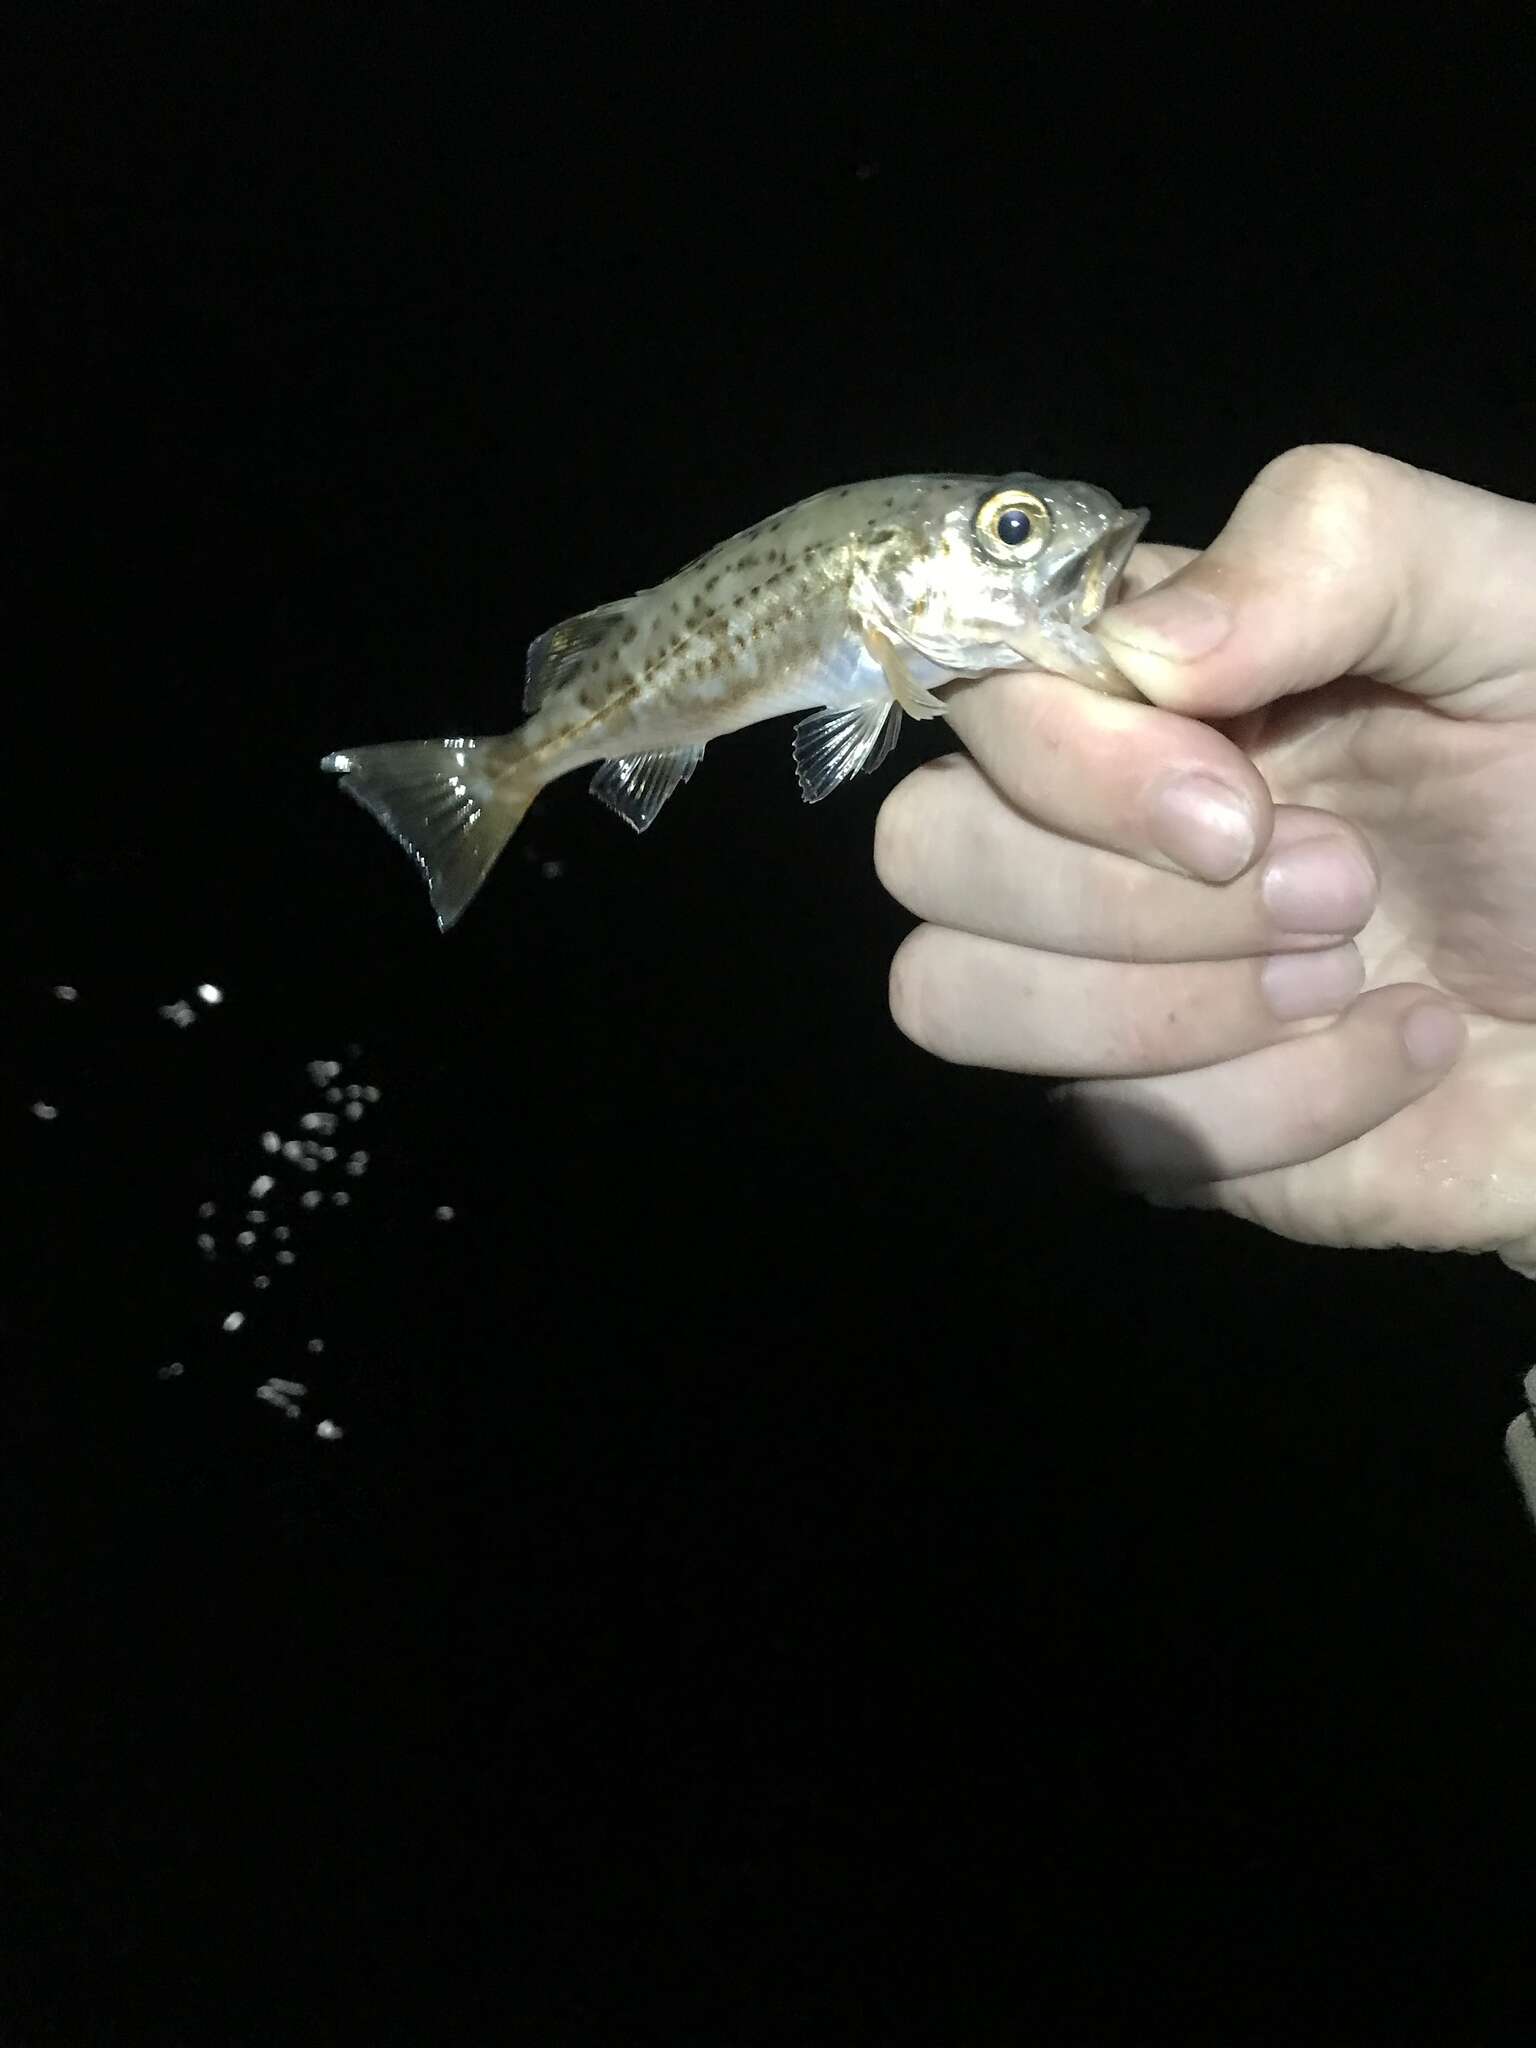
(853, 606)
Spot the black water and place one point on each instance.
(802, 1564)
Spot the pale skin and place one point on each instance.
(1304, 992)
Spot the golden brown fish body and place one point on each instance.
(853, 605)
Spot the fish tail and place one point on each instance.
(452, 804)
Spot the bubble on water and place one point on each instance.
(271, 1142)
(179, 1013)
(210, 994)
(263, 1184)
(443, 1213)
(341, 1198)
(44, 1112)
(207, 1209)
(234, 1320)
(328, 1432)
(173, 1371)
(285, 1258)
(311, 1198)
(65, 993)
(353, 1110)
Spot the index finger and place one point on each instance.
(1114, 773)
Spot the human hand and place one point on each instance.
(1351, 666)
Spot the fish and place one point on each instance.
(853, 607)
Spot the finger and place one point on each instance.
(1114, 773)
(1337, 561)
(955, 852)
(981, 1003)
(1276, 1106)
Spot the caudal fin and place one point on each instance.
(450, 803)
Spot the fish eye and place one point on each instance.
(1015, 522)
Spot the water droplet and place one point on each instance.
(285, 1258)
(261, 1280)
(443, 1213)
(353, 1110)
(333, 1095)
(234, 1320)
(321, 1071)
(44, 1111)
(209, 993)
(296, 1388)
(271, 1142)
(311, 1198)
(65, 993)
(173, 1371)
(246, 1239)
(205, 1243)
(315, 1344)
(281, 1232)
(552, 870)
(263, 1184)
(328, 1432)
(207, 1208)
(370, 1094)
(341, 1198)
(179, 1013)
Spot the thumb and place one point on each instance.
(1335, 562)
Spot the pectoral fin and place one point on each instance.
(832, 745)
(913, 697)
(639, 784)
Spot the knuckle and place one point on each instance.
(911, 993)
(1333, 493)
(896, 840)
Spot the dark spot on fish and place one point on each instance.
(886, 533)
(629, 632)
(747, 562)
(674, 607)
(888, 502)
(845, 490)
(711, 581)
(772, 555)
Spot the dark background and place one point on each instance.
(803, 1565)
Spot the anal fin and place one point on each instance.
(637, 785)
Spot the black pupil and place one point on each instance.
(1014, 526)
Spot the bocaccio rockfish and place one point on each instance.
(854, 606)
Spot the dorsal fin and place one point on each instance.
(556, 655)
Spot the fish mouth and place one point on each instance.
(1105, 564)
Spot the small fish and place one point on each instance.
(854, 606)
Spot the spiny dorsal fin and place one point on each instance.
(832, 745)
(556, 655)
(637, 786)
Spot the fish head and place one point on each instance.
(1008, 572)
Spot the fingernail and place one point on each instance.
(1432, 1036)
(1311, 984)
(1318, 885)
(1204, 826)
(1177, 621)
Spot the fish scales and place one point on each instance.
(854, 606)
